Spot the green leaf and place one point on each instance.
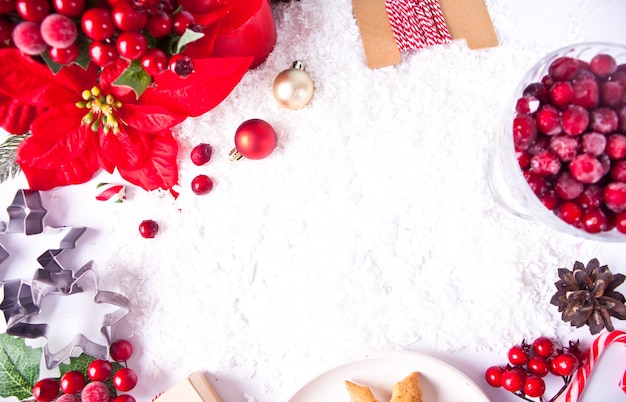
(134, 77)
(19, 367)
(187, 37)
(8, 154)
(53, 65)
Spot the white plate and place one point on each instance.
(440, 382)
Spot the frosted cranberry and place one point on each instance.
(201, 154)
(7, 6)
(611, 94)
(584, 73)
(159, 25)
(71, 8)
(566, 147)
(65, 55)
(523, 159)
(550, 199)
(586, 168)
(97, 23)
(591, 197)
(545, 163)
(181, 21)
(131, 45)
(202, 184)
(593, 143)
(570, 212)
(615, 196)
(603, 120)
(537, 183)
(148, 229)
(68, 398)
(95, 391)
(575, 120)
(603, 65)
(621, 115)
(620, 222)
(563, 69)
(33, 10)
(606, 163)
(536, 90)
(58, 30)
(541, 144)
(27, 38)
(154, 62)
(616, 146)
(549, 120)
(561, 93)
(594, 221)
(128, 18)
(102, 53)
(586, 94)
(567, 187)
(618, 171)
(121, 350)
(527, 105)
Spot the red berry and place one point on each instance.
(545, 163)
(181, 65)
(154, 62)
(493, 376)
(33, 10)
(550, 199)
(591, 197)
(575, 120)
(616, 146)
(538, 365)
(148, 229)
(543, 346)
(131, 45)
(586, 168)
(524, 131)
(58, 30)
(7, 6)
(611, 93)
(561, 93)
(159, 25)
(603, 120)
(603, 65)
(125, 379)
(618, 171)
(620, 222)
(537, 183)
(103, 54)
(513, 380)
(68, 398)
(201, 154)
(121, 350)
(534, 386)
(71, 8)
(570, 212)
(549, 120)
(586, 93)
(564, 364)
(72, 382)
(97, 23)
(45, 390)
(201, 184)
(66, 55)
(567, 187)
(27, 38)
(595, 221)
(518, 355)
(181, 21)
(95, 391)
(563, 69)
(99, 370)
(125, 398)
(129, 18)
(565, 146)
(593, 143)
(527, 105)
(614, 196)
(523, 159)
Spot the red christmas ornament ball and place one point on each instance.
(255, 139)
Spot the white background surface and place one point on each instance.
(296, 262)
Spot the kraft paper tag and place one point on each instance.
(379, 43)
(465, 19)
(195, 388)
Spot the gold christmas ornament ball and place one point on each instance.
(293, 88)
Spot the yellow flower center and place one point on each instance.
(101, 110)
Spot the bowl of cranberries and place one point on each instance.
(562, 158)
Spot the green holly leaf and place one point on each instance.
(134, 77)
(19, 367)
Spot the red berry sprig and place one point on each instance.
(528, 365)
(73, 386)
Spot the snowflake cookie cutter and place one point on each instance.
(22, 300)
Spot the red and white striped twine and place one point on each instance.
(579, 381)
(417, 23)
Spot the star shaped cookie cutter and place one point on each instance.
(22, 300)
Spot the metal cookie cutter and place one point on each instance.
(22, 299)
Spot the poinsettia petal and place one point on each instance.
(211, 23)
(57, 135)
(126, 149)
(15, 116)
(159, 169)
(149, 118)
(213, 80)
(37, 87)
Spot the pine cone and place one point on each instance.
(586, 295)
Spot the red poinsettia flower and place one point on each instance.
(89, 123)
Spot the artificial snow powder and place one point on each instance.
(370, 227)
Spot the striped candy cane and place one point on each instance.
(579, 381)
(111, 192)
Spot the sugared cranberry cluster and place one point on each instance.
(529, 364)
(569, 134)
(141, 30)
(74, 387)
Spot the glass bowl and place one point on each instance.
(505, 177)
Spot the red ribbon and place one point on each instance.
(417, 23)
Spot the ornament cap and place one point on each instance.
(234, 155)
(298, 65)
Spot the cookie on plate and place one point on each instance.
(407, 390)
(359, 393)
